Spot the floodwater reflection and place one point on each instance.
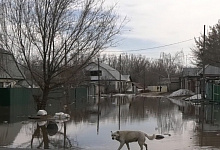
(90, 125)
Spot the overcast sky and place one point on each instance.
(158, 23)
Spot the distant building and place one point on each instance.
(138, 87)
(111, 81)
(169, 84)
(212, 80)
(211, 72)
(190, 79)
(10, 73)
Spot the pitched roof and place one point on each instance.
(8, 67)
(115, 74)
(190, 71)
(127, 77)
(138, 85)
(210, 70)
(2, 51)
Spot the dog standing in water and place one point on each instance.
(125, 137)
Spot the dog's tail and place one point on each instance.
(150, 137)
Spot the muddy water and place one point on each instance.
(190, 127)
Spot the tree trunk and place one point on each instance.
(42, 103)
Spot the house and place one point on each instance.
(169, 84)
(137, 87)
(190, 79)
(10, 74)
(109, 79)
(212, 80)
(211, 72)
(128, 86)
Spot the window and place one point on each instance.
(96, 73)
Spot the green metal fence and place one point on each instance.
(24, 96)
(18, 103)
(4, 97)
(209, 91)
(216, 93)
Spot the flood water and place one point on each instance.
(190, 127)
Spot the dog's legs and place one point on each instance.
(128, 146)
(141, 144)
(145, 145)
(121, 145)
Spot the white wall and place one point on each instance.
(155, 89)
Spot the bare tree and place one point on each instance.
(145, 70)
(54, 39)
(172, 64)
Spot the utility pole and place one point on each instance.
(144, 81)
(120, 90)
(99, 95)
(203, 84)
(203, 68)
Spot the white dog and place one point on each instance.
(125, 137)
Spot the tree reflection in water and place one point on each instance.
(169, 117)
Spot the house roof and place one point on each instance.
(127, 77)
(8, 67)
(138, 85)
(190, 71)
(115, 74)
(4, 51)
(210, 70)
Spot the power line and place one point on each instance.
(142, 49)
